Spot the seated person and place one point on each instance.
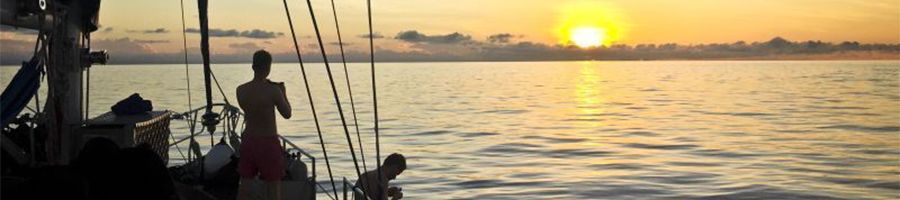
(377, 188)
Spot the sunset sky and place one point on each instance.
(139, 27)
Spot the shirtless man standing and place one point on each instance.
(260, 150)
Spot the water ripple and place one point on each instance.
(430, 133)
(476, 134)
(592, 130)
(767, 192)
(512, 149)
(863, 128)
(661, 146)
(555, 139)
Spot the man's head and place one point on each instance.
(394, 164)
(262, 63)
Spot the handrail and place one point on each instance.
(287, 145)
(353, 188)
(183, 139)
(191, 114)
(293, 146)
(226, 105)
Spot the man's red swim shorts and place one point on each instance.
(261, 156)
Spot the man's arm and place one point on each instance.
(395, 193)
(281, 102)
(372, 188)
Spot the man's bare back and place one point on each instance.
(259, 99)
(261, 154)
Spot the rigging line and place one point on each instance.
(81, 84)
(323, 189)
(349, 90)
(40, 51)
(374, 91)
(337, 100)
(312, 106)
(219, 86)
(41, 55)
(187, 74)
(30, 109)
(87, 90)
(87, 94)
(81, 91)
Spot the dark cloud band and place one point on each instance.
(375, 36)
(501, 38)
(254, 34)
(416, 37)
(24, 31)
(150, 41)
(149, 31)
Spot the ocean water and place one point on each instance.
(585, 130)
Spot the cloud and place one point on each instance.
(260, 34)
(150, 41)
(501, 38)
(458, 47)
(375, 36)
(248, 46)
(255, 33)
(15, 51)
(124, 46)
(216, 32)
(338, 43)
(121, 50)
(16, 30)
(150, 31)
(416, 37)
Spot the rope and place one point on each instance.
(187, 73)
(323, 189)
(374, 91)
(349, 90)
(312, 106)
(337, 100)
(86, 39)
(215, 80)
(87, 95)
(40, 51)
(87, 98)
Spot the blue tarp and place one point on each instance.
(20, 90)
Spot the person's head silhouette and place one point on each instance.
(262, 63)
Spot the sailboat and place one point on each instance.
(53, 152)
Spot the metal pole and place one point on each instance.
(204, 51)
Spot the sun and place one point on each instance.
(586, 37)
(590, 24)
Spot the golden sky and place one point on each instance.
(647, 21)
(539, 21)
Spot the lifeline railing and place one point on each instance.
(230, 116)
(231, 119)
(355, 190)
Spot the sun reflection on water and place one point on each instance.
(589, 94)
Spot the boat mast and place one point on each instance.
(68, 22)
(204, 51)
